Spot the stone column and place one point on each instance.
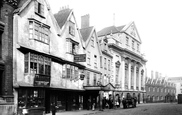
(129, 74)
(134, 76)
(123, 73)
(140, 69)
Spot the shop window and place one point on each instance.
(37, 64)
(38, 31)
(31, 98)
(39, 8)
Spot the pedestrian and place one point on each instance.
(53, 108)
(104, 103)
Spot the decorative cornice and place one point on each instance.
(127, 51)
(104, 52)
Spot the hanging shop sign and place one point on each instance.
(80, 58)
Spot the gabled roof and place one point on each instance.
(85, 32)
(107, 30)
(62, 16)
(22, 5)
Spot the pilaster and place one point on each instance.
(134, 76)
(129, 74)
(123, 73)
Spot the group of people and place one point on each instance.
(109, 103)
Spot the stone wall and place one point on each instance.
(7, 109)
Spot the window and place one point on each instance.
(71, 72)
(29, 98)
(88, 58)
(127, 40)
(138, 49)
(92, 41)
(101, 61)
(72, 28)
(149, 89)
(95, 61)
(153, 89)
(117, 75)
(38, 31)
(37, 64)
(109, 65)
(39, 8)
(105, 48)
(88, 78)
(95, 79)
(72, 46)
(133, 44)
(157, 89)
(105, 63)
(161, 90)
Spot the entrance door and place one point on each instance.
(47, 101)
(138, 98)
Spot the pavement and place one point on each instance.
(82, 112)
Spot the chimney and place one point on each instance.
(85, 21)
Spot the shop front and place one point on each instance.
(31, 98)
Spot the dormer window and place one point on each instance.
(72, 28)
(39, 8)
(72, 46)
(92, 41)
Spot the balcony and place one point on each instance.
(42, 80)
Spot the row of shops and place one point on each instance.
(39, 99)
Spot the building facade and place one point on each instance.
(128, 63)
(44, 68)
(178, 82)
(92, 81)
(6, 55)
(158, 89)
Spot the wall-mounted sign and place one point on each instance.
(80, 58)
(41, 80)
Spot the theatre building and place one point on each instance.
(128, 62)
(43, 59)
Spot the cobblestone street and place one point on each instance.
(148, 109)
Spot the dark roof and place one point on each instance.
(85, 32)
(120, 27)
(21, 5)
(62, 16)
(109, 30)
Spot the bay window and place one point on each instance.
(38, 31)
(37, 64)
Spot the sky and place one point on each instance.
(158, 22)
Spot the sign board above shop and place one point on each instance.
(80, 58)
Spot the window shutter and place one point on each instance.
(36, 6)
(42, 9)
